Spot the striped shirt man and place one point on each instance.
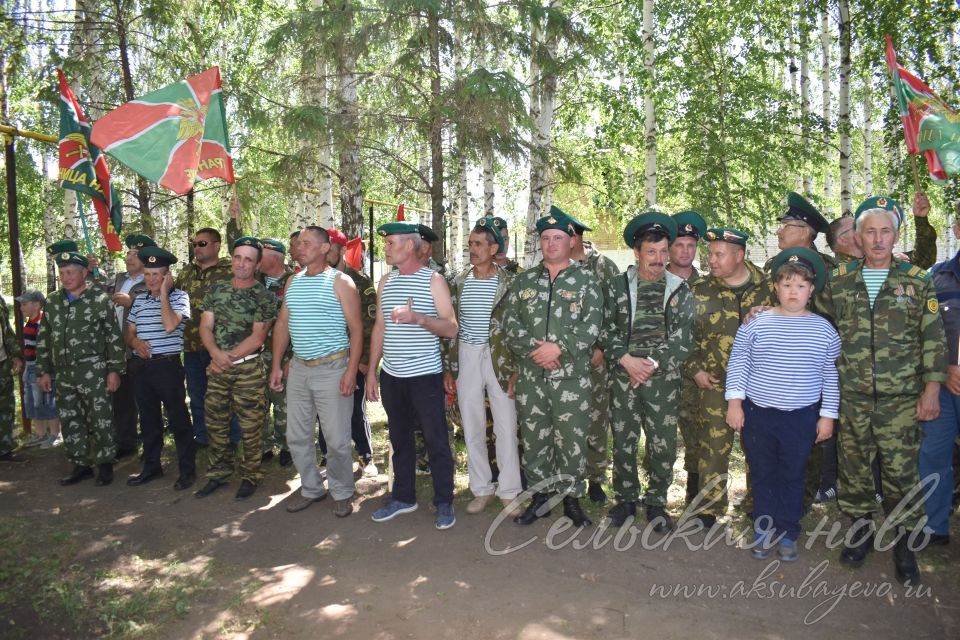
(317, 324)
(476, 304)
(786, 362)
(145, 316)
(409, 350)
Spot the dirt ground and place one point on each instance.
(82, 561)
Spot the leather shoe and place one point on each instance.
(536, 509)
(855, 551)
(285, 459)
(619, 514)
(104, 474)
(707, 520)
(210, 487)
(659, 518)
(144, 477)
(904, 560)
(267, 456)
(596, 493)
(938, 539)
(80, 472)
(302, 502)
(245, 491)
(571, 509)
(184, 482)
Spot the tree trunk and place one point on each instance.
(826, 108)
(50, 234)
(846, 194)
(868, 135)
(488, 187)
(807, 180)
(351, 193)
(436, 136)
(649, 111)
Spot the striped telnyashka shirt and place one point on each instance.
(316, 322)
(145, 315)
(409, 350)
(476, 305)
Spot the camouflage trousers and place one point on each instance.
(554, 419)
(889, 432)
(687, 421)
(652, 408)
(597, 457)
(716, 444)
(238, 390)
(86, 413)
(275, 431)
(8, 409)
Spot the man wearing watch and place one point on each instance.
(645, 342)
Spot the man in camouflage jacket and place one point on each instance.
(11, 362)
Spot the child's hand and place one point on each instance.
(735, 415)
(824, 429)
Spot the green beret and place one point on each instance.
(690, 223)
(733, 236)
(649, 221)
(427, 233)
(276, 245)
(63, 246)
(578, 226)
(247, 241)
(798, 208)
(806, 257)
(71, 257)
(488, 223)
(553, 221)
(880, 202)
(396, 228)
(153, 256)
(498, 222)
(138, 241)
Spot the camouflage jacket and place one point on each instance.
(277, 289)
(196, 282)
(512, 266)
(84, 330)
(236, 310)
(11, 346)
(368, 307)
(605, 272)
(567, 311)
(719, 313)
(503, 364)
(924, 252)
(678, 313)
(897, 346)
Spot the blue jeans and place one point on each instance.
(195, 365)
(936, 458)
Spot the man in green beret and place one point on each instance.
(691, 228)
(237, 315)
(893, 360)
(924, 252)
(604, 271)
(646, 342)
(427, 238)
(723, 299)
(79, 342)
(274, 274)
(154, 332)
(552, 323)
(11, 364)
(799, 226)
(502, 257)
(196, 278)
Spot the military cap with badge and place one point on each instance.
(649, 221)
(397, 228)
(63, 246)
(879, 202)
(724, 234)
(488, 224)
(139, 241)
(247, 241)
(806, 258)
(273, 244)
(154, 257)
(799, 208)
(556, 219)
(691, 224)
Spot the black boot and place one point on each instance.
(619, 514)
(659, 518)
(596, 493)
(536, 509)
(855, 551)
(80, 472)
(104, 474)
(571, 509)
(693, 486)
(904, 560)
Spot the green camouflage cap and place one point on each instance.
(554, 221)
(803, 256)
(276, 245)
(488, 223)
(153, 257)
(880, 202)
(649, 221)
(247, 241)
(733, 236)
(798, 208)
(61, 246)
(397, 228)
(139, 241)
(578, 227)
(690, 223)
(71, 257)
(427, 233)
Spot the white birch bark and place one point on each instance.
(846, 193)
(826, 109)
(804, 129)
(868, 136)
(649, 108)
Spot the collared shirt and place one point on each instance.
(145, 315)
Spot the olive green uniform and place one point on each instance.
(687, 414)
(8, 406)
(275, 435)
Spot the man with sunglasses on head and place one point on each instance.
(196, 279)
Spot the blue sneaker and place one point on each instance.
(393, 509)
(761, 546)
(787, 550)
(445, 516)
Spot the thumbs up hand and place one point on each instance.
(405, 314)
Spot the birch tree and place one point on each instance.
(846, 194)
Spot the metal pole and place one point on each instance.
(371, 236)
(16, 259)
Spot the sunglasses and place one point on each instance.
(200, 243)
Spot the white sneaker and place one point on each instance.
(370, 470)
(35, 441)
(53, 441)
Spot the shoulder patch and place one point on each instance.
(932, 305)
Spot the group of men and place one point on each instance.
(566, 354)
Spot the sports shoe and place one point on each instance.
(761, 546)
(393, 509)
(445, 516)
(787, 550)
(478, 504)
(35, 441)
(369, 468)
(52, 441)
(825, 495)
(343, 508)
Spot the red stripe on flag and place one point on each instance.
(181, 172)
(130, 120)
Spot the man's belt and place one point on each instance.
(158, 357)
(325, 359)
(248, 358)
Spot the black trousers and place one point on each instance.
(159, 384)
(125, 413)
(408, 401)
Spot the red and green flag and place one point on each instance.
(172, 136)
(930, 126)
(83, 168)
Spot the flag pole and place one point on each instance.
(916, 173)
